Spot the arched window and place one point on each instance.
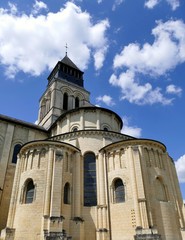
(29, 192)
(119, 191)
(67, 193)
(77, 102)
(160, 190)
(16, 150)
(43, 109)
(90, 192)
(65, 101)
(74, 129)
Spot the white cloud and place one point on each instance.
(136, 93)
(180, 167)
(38, 6)
(174, 3)
(172, 89)
(116, 4)
(130, 130)
(167, 51)
(99, 57)
(33, 44)
(105, 99)
(157, 59)
(152, 3)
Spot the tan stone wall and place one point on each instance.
(142, 165)
(145, 202)
(10, 135)
(89, 118)
(49, 165)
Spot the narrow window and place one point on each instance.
(77, 102)
(65, 101)
(119, 191)
(43, 109)
(29, 192)
(67, 193)
(90, 192)
(15, 152)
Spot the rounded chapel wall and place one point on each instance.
(89, 118)
(44, 164)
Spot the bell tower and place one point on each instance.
(65, 91)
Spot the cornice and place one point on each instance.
(47, 143)
(135, 142)
(90, 132)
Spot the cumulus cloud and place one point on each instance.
(34, 43)
(172, 89)
(180, 167)
(130, 130)
(157, 59)
(167, 51)
(135, 92)
(152, 3)
(105, 99)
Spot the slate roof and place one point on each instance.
(68, 62)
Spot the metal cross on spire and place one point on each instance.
(66, 48)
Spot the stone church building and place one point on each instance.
(76, 176)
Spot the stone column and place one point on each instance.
(102, 201)
(77, 226)
(70, 102)
(49, 182)
(102, 198)
(13, 201)
(140, 187)
(56, 193)
(53, 97)
(98, 120)
(82, 120)
(134, 186)
(77, 185)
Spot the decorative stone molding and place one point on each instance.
(90, 132)
(56, 235)
(7, 234)
(78, 219)
(147, 234)
(57, 219)
(101, 230)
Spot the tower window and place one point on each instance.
(65, 101)
(119, 191)
(15, 152)
(67, 193)
(90, 192)
(77, 102)
(29, 191)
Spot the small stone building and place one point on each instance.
(76, 176)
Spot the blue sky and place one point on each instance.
(132, 53)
